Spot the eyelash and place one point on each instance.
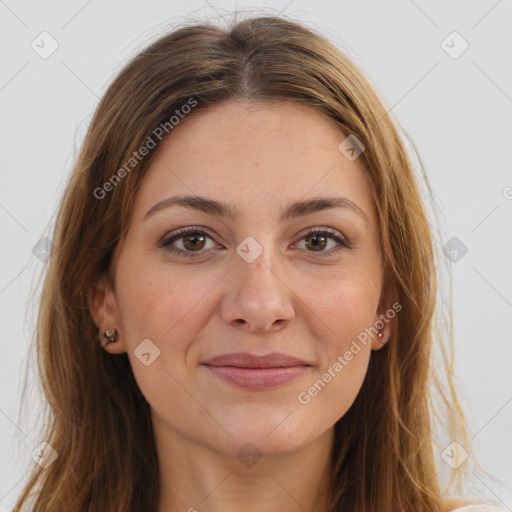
(182, 232)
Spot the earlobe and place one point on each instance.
(383, 324)
(380, 340)
(383, 320)
(103, 308)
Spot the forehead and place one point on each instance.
(254, 155)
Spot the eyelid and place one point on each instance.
(325, 230)
(333, 234)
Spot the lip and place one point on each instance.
(257, 372)
(247, 360)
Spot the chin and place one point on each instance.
(264, 437)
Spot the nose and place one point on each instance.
(259, 299)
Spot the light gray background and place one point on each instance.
(457, 110)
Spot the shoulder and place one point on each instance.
(481, 507)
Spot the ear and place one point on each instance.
(105, 314)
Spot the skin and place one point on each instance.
(258, 158)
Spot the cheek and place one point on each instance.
(169, 309)
(155, 303)
(342, 310)
(329, 396)
(165, 308)
(340, 317)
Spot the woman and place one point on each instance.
(240, 306)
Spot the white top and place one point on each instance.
(482, 508)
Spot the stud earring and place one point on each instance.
(111, 335)
(380, 336)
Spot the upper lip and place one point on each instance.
(246, 360)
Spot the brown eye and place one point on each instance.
(194, 242)
(316, 241)
(188, 242)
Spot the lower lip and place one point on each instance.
(258, 378)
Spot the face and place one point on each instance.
(303, 282)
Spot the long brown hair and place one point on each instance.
(383, 457)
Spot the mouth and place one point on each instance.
(257, 372)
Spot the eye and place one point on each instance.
(192, 240)
(318, 239)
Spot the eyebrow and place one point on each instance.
(219, 209)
